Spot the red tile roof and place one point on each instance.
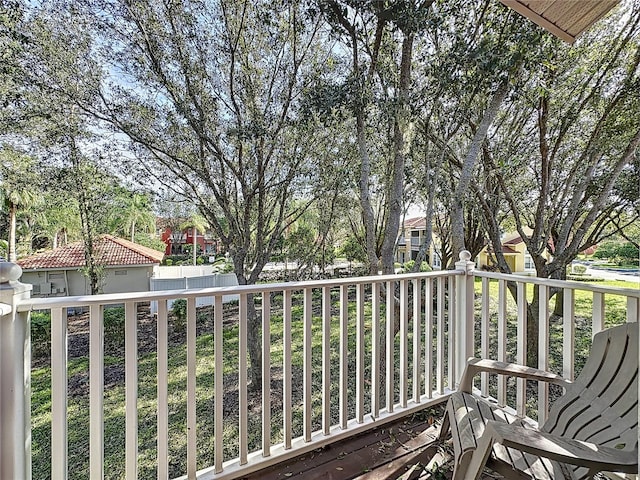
(415, 222)
(112, 252)
(506, 249)
(514, 241)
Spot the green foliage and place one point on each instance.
(222, 265)
(114, 319)
(188, 249)
(352, 249)
(300, 245)
(179, 311)
(622, 253)
(40, 326)
(150, 241)
(579, 269)
(408, 266)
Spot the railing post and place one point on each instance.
(15, 376)
(463, 329)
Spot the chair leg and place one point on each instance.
(445, 427)
(480, 456)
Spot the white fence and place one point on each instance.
(194, 277)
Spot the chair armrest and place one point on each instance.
(477, 365)
(594, 457)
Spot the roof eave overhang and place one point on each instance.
(552, 24)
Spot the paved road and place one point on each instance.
(610, 275)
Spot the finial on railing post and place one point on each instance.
(15, 375)
(9, 272)
(465, 264)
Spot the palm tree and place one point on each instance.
(58, 219)
(19, 190)
(198, 224)
(131, 214)
(137, 214)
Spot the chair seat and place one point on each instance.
(469, 415)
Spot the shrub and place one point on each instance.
(408, 266)
(579, 269)
(179, 311)
(113, 319)
(41, 326)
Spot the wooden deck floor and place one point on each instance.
(407, 449)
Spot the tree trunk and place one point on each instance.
(368, 217)
(460, 194)
(11, 248)
(195, 239)
(399, 142)
(254, 345)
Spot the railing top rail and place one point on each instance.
(629, 292)
(117, 298)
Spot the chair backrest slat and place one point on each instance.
(601, 405)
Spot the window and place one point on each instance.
(437, 260)
(120, 272)
(528, 262)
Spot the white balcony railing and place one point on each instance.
(363, 351)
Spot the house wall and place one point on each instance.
(413, 242)
(132, 279)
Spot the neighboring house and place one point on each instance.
(411, 237)
(176, 240)
(515, 253)
(128, 267)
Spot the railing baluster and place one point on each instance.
(326, 360)
(242, 380)
(218, 384)
(417, 337)
(597, 323)
(96, 392)
(441, 336)
(543, 351)
(359, 353)
(131, 390)
(568, 333)
(59, 390)
(404, 347)
(428, 337)
(266, 374)
(375, 350)
(521, 348)
(451, 329)
(633, 310)
(287, 414)
(502, 339)
(484, 335)
(163, 391)
(192, 438)
(390, 376)
(306, 365)
(344, 344)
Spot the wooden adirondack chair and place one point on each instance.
(593, 427)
